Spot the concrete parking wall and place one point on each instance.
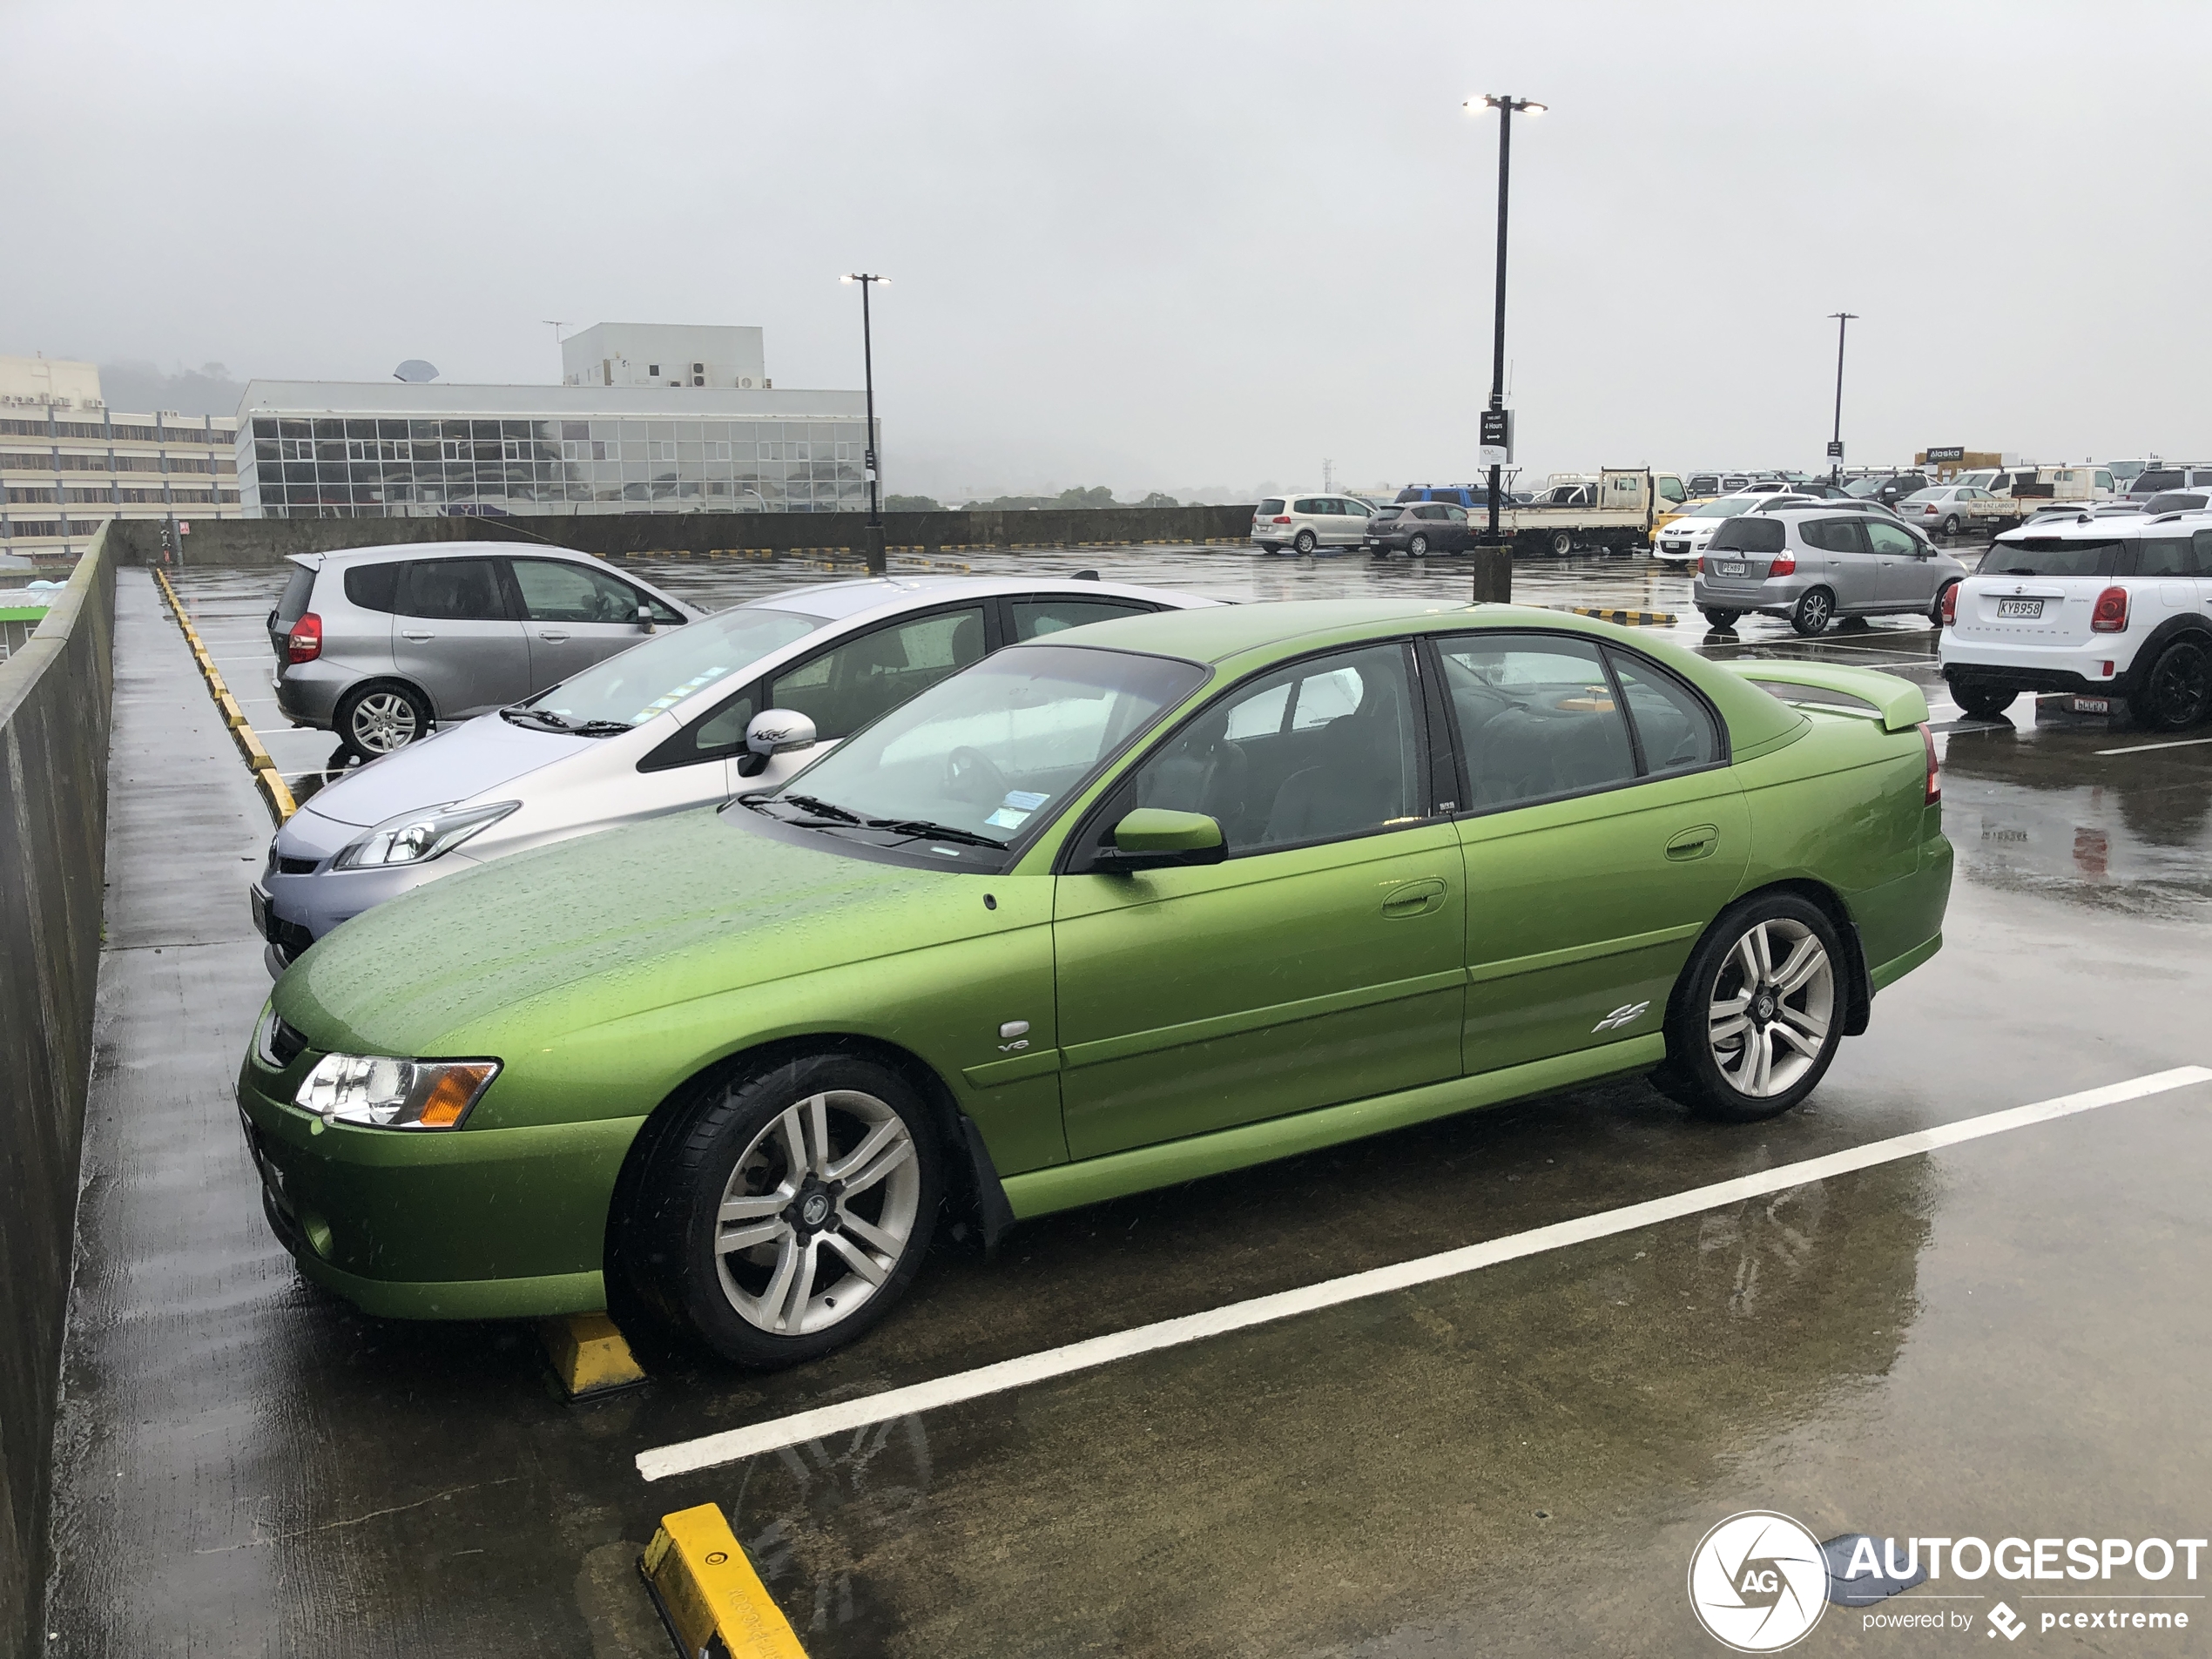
(55, 707)
(235, 542)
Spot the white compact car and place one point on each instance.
(2105, 607)
(1304, 523)
(673, 723)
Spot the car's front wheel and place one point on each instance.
(2177, 691)
(376, 718)
(1757, 1014)
(786, 1210)
(1815, 610)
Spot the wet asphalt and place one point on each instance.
(2009, 1337)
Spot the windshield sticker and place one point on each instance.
(1006, 817)
(706, 678)
(1024, 800)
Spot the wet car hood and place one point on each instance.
(458, 763)
(606, 925)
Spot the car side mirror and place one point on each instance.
(1152, 837)
(645, 618)
(772, 732)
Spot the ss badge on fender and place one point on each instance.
(1620, 1018)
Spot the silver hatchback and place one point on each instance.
(379, 644)
(1813, 565)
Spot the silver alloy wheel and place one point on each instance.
(1417, 548)
(1306, 542)
(382, 721)
(1771, 1005)
(817, 1213)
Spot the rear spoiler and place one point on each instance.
(1898, 702)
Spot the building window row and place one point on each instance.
(71, 461)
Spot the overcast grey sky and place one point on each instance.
(1162, 245)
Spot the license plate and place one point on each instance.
(255, 897)
(1728, 570)
(2092, 705)
(2019, 611)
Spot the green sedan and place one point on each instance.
(1153, 900)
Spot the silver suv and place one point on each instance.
(381, 643)
(1813, 565)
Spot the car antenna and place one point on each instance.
(1087, 576)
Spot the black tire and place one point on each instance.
(1815, 610)
(1562, 544)
(1417, 546)
(1935, 611)
(1794, 1031)
(380, 717)
(1982, 702)
(1306, 540)
(1720, 618)
(1951, 524)
(2176, 690)
(730, 1135)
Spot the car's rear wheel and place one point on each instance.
(1562, 544)
(787, 1209)
(2177, 691)
(1951, 524)
(376, 718)
(1815, 610)
(1982, 702)
(1418, 547)
(1757, 1015)
(1935, 611)
(1719, 617)
(1306, 540)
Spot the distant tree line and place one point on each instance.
(1099, 497)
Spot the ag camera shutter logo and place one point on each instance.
(1758, 1582)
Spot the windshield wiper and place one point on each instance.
(824, 808)
(926, 830)
(522, 714)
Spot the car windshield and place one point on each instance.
(990, 749)
(1928, 495)
(2050, 556)
(1726, 507)
(1864, 486)
(660, 673)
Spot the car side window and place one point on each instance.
(850, 684)
(2168, 556)
(1673, 726)
(373, 587)
(1834, 535)
(453, 589)
(1036, 617)
(1308, 504)
(1536, 717)
(555, 591)
(1456, 514)
(1892, 539)
(711, 737)
(1319, 751)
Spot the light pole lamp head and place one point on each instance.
(865, 276)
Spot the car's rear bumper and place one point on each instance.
(308, 693)
(2014, 666)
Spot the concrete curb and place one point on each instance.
(708, 1594)
(1625, 619)
(265, 776)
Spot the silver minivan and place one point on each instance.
(1813, 565)
(380, 644)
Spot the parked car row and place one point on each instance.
(1684, 538)
(1115, 904)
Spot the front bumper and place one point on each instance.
(447, 1224)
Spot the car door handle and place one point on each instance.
(551, 634)
(1414, 898)
(1694, 843)
(409, 633)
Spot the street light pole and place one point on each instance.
(1505, 105)
(877, 561)
(1844, 319)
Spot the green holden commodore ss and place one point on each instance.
(1147, 900)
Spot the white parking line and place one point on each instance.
(728, 1446)
(2145, 748)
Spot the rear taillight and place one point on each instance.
(305, 644)
(1284, 519)
(1950, 604)
(1935, 772)
(1784, 564)
(1697, 564)
(2111, 615)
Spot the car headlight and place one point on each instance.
(415, 837)
(381, 1092)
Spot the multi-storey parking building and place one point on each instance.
(68, 463)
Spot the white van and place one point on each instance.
(1304, 523)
